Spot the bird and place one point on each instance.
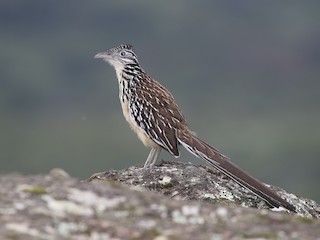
(153, 114)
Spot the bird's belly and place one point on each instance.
(148, 142)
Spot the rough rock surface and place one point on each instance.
(56, 206)
(189, 182)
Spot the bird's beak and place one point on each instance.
(104, 55)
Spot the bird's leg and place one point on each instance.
(153, 156)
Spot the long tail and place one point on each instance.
(220, 162)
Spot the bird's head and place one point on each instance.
(119, 56)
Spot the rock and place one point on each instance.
(183, 181)
(57, 206)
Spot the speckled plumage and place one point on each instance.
(153, 114)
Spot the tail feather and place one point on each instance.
(220, 162)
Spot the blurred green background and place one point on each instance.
(246, 75)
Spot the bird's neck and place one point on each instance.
(128, 77)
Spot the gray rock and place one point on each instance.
(200, 204)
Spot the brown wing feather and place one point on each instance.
(160, 116)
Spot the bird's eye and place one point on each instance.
(123, 53)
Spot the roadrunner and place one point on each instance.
(153, 114)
